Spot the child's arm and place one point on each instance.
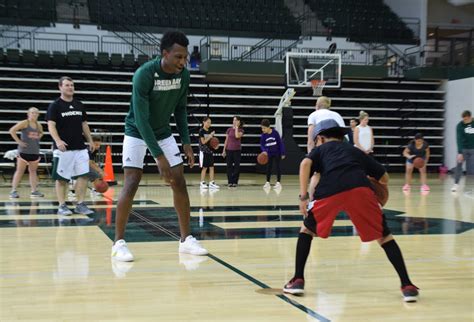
(406, 154)
(262, 144)
(427, 155)
(305, 170)
(93, 166)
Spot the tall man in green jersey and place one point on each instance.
(160, 89)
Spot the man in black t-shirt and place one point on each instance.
(67, 124)
(343, 187)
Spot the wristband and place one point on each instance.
(304, 197)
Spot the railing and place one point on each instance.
(223, 50)
(50, 41)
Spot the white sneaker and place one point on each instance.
(277, 185)
(213, 185)
(203, 185)
(192, 246)
(455, 187)
(121, 252)
(266, 185)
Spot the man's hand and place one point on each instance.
(460, 158)
(91, 146)
(188, 152)
(164, 168)
(62, 146)
(223, 153)
(304, 207)
(283, 157)
(23, 144)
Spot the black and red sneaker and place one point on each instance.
(410, 293)
(295, 286)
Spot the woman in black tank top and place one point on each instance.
(28, 151)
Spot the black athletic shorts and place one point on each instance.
(30, 157)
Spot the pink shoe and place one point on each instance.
(406, 187)
(425, 187)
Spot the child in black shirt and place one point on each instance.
(343, 186)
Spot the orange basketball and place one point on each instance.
(381, 191)
(262, 158)
(101, 185)
(214, 143)
(418, 163)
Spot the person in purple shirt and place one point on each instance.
(232, 150)
(272, 145)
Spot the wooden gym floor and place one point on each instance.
(59, 269)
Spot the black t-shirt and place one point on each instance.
(342, 167)
(205, 148)
(418, 152)
(68, 117)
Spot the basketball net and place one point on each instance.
(318, 86)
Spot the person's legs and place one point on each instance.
(269, 167)
(230, 166)
(20, 170)
(424, 185)
(181, 200)
(408, 173)
(61, 189)
(469, 159)
(237, 158)
(33, 175)
(132, 177)
(395, 257)
(203, 174)
(278, 167)
(211, 174)
(80, 188)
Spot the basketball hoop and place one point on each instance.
(318, 86)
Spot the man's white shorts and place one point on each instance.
(134, 151)
(70, 164)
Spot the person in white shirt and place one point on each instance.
(363, 134)
(322, 113)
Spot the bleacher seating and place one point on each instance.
(362, 20)
(398, 109)
(32, 13)
(73, 58)
(262, 18)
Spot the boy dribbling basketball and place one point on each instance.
(343, 186)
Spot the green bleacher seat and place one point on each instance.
(116, 60)
(142, 59)
(128, 60)
(13, 55)
(88, 59)
(74, 57)
(28, 57)
(44, 58)
(103, 59)
(59, 58)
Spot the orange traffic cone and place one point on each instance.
(109, 169)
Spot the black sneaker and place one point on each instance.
(295, 286)
(410, 293)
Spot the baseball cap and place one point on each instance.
(328, 124)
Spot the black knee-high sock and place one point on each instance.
(302, 251)
(395, 256)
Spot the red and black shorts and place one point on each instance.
(362, 207)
